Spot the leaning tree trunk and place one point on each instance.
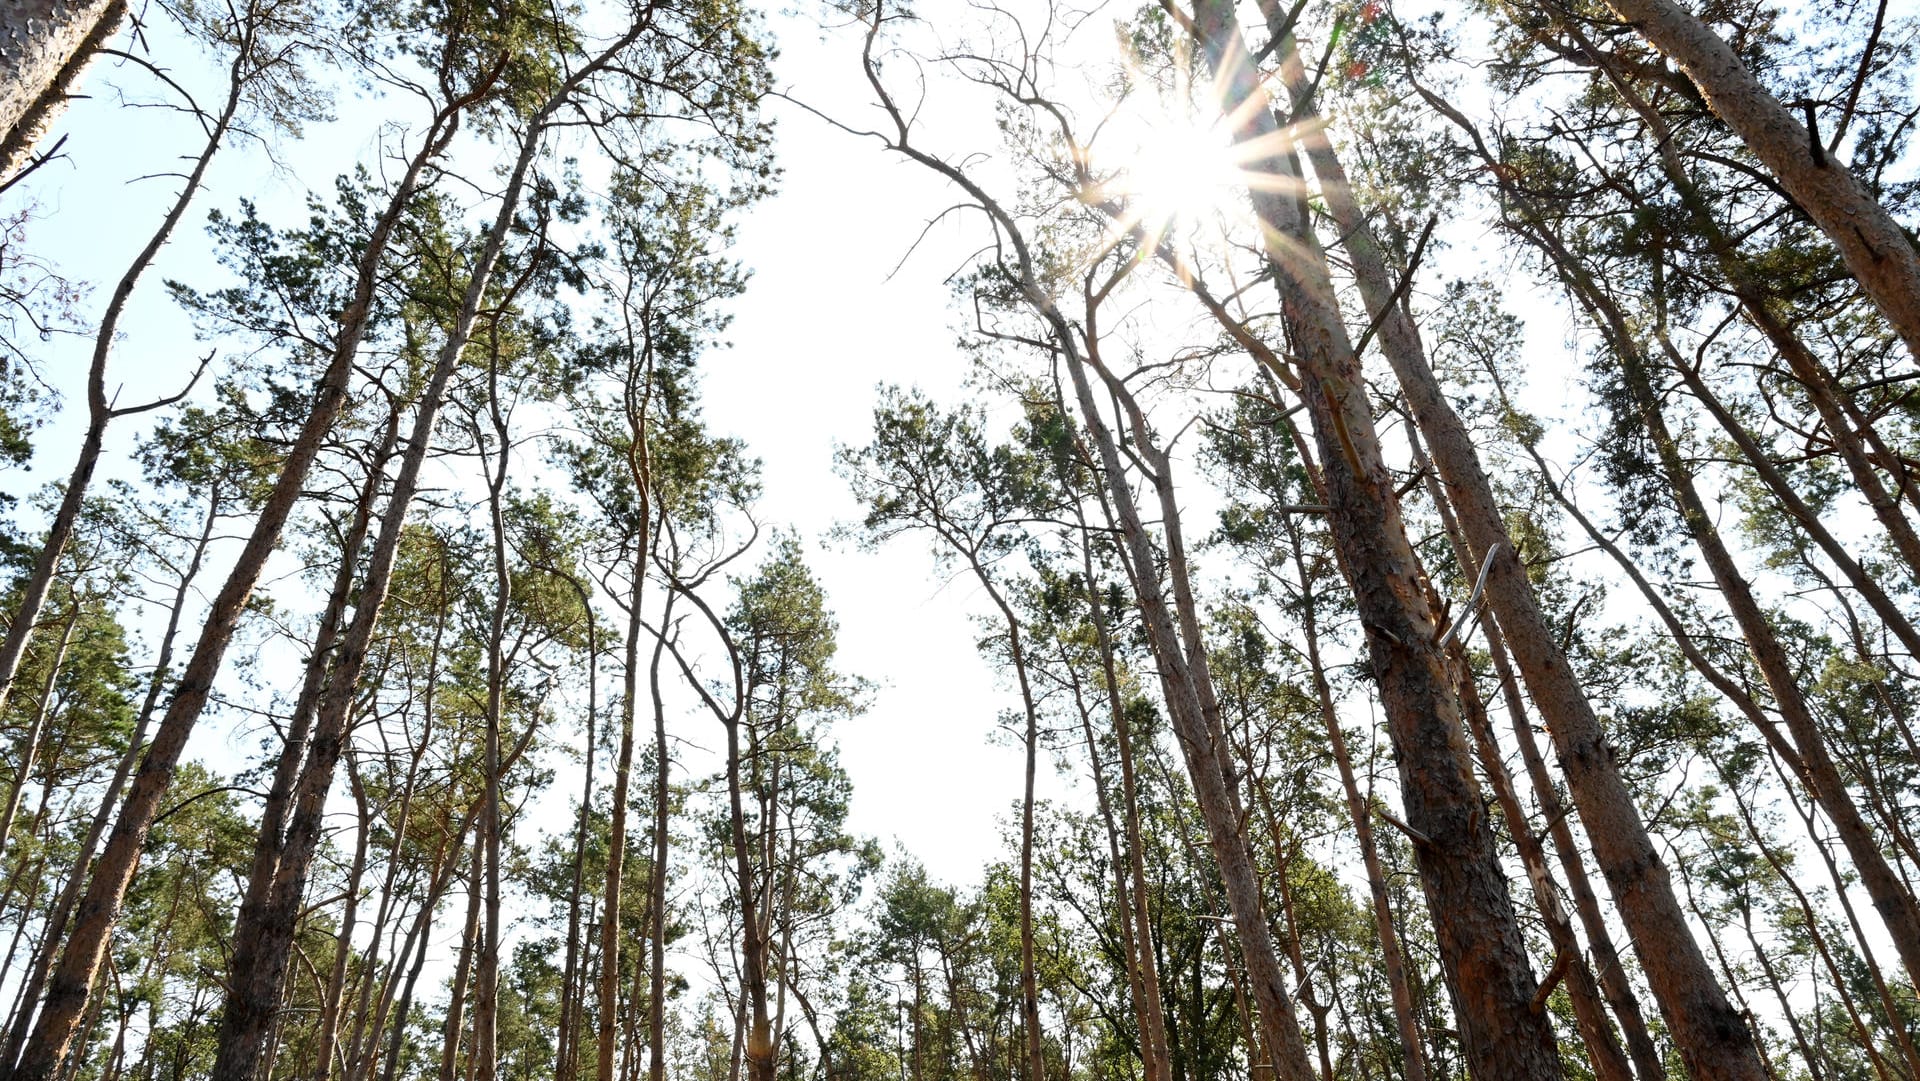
(1871, 243)
(1759, 305)
(255, 989)
(1393, 957)
(1182, 665)
(57, 918)
(1280, 1031)
(1713, 1041)
(44, 46)
(1481, 948)
(1896, 904)
(71, 987)
(100, 408)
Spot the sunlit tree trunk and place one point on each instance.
(1871, 243)
(1898, 910)
(44, 47)
(46, 950)
(1360, 815)
(72, 982)
(101, 410)
(1480, 942)
(1156, 1063)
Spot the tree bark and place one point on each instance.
(100, 408)
(1393, 957)
(1898, 910)
(1713, 1043)
(44, 47)
(1480, 943)
(255, 991)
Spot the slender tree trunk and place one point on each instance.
(759, 1032)
(1218, 806)
(463, 969)
(1583, 992)
(1691, 999)
(610, 904)
(1810, 918)
(1894, 1014)
(44, 952)
(327, 1040)
(100, 407)
(72, 982)
(1896, 905)
(1393, 958)
(371, 1014)
(1156, 1062)
(487, 986)
(28, 748)
(657, 903)
(572, 989)
(1029, 987)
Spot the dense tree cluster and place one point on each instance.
(1407, 722)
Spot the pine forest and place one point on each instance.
(959, 540)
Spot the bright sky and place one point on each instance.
(824, 321)
(826, 318)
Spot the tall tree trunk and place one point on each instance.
(1691, 999)
(256, 985)
(1393, 957)
(1219, 807)
(572, 987)
(1480, 943)
(270, 841)
(753, 946)
(72, 982)
(1156, 1062)
(1871, 243)
(327, 1039)
(463, 969)
(1030, 710)
(370, 1014)
(1896, 905)
(486, 1010)
(100, 409)
(46, 950)
(1183, 669)
(657, 883)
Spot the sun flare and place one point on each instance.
(1167, 161)
(1179, 172)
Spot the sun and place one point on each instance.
(1168, 165)
(1182, 171)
